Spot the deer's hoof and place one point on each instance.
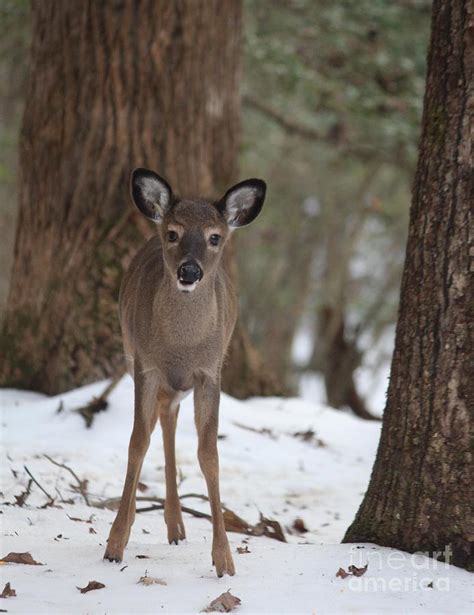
(113, 554)
(176, 531)
(222, 560)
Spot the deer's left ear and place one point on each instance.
(242, 203)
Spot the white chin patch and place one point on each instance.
(186, 288)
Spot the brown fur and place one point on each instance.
(176, 341)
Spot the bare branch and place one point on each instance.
(80, 483)
(51, 499)
(291, 126)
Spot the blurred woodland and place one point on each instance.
(331, 105)
(324, 101)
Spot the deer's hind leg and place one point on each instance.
(146, 414)
(168, 410)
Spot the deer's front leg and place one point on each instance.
(146, 414)
(173, 517)
(206, 406)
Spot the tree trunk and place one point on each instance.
(340, 358)
(420, 493)
(114, 85)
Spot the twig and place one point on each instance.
(21, 499)
(80, 483)
(98, 404)
(51, 499)
(263, 431)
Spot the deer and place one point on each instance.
(177, 311)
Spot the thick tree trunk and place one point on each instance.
(420, 492)
(114, 85)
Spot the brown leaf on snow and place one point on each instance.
(8, 592)
(358, 572)
(234, 523)
(243, 549)
(90, 586)
(353, 570)
(309, 436)
(20, 558)
(146, 580)
(299, 526)
(270, 528)
(142, 487)
(225, 603)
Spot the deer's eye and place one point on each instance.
(214, 240)
(172, 236)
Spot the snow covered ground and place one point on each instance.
(320, 481)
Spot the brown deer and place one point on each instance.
(177, 312)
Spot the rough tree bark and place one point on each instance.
(114, 85)
(420, 492)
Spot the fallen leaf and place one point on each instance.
(92, 531)
(20, 558)
(151, 581)
(123, 568)
(299, 526)
(145, 531)
(225, 603)
(142, 556)
(142, 487)
(342, 573)
(21, 499)
(309, 436)
(8, 592)
(234, 523)
(90, 586)
(243, 549)
(358, 572)
(270, 528)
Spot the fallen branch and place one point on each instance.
(51, 499)
(98, 404)
(232, 521)
(263, 431)
(80, 483)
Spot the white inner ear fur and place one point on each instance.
(241, 199)
(154, 192)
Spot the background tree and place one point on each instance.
(420, 493)
(332, 102)
(147, 83)
(14, 44)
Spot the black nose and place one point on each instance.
(189, 272)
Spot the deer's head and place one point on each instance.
(194, 231)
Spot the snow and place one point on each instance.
(274, 473)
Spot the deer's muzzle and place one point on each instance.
(189, 273)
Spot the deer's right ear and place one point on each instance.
(151, 194)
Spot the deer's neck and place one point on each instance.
(186, 318)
